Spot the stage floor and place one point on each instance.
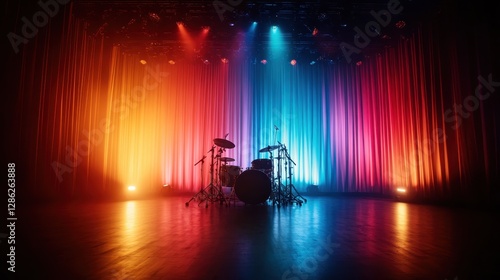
(325, 238)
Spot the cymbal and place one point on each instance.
(223, 143)
(268, 149)
(226, 159)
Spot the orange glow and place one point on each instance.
(402, 240)
(185, 37)
(102, 119)
(131, 188)
(401, 189)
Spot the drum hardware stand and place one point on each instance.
(210, 192)
(290, 187)
(279, 185)
(275, 181)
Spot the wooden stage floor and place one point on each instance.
(325, 238)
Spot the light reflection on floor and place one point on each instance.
(325, 238)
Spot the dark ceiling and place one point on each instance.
(150, 26)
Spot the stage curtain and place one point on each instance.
(93, 119)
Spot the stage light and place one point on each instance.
(293, 62)
(180, 23)
(312, 62)
(206, 62)
(254, 23)
(274, 28)
(166, 188)
(401, 189)
(224, 60)
(315, 31)
(143, 62)
(206, 28)
(154, 17)
(263, 61)
(231, 24)
(131, 188)
(359, 63)
(171, 62)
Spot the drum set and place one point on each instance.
(268, 180)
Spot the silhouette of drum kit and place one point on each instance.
(267, 180)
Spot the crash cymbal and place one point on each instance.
(268, 149)
(223, 143)
(226, 159)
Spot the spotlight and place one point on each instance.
(315, 31)
(131, 188)
(166, 188)
(401, 189)
(154, 17)
(359, 63)
(206, 28)
(180, 23)
(263, 61)
(313, 62)
(171, 62)
(400, 24)
(274, 28)
(231, 24)
(322, 16)
(293, 62)
(206, 62)
(402, 193)
(224, 60)
(143, 62)
(254, 23)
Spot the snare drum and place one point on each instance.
(228, 174)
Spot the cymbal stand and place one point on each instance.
(216, 194)
(208, 194)
(275, 181)
(291, 198)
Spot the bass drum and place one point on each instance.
(253, 187)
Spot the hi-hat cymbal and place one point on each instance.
(226, 159)
(268, 149)
(223, 143)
